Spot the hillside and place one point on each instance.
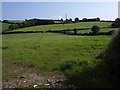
(5, 26)
(65, 26)
(75, 56)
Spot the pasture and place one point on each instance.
(49, 52)
(64, 26)
(50, 49)
(5, 26)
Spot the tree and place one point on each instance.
(117, 19)
(16, 26)
(26, 20)
(111, 59)
(13, 26)
(5, 21)
(75, 31)
(116, 24)
(76, 19)
(61, 19)
(84, 19)
(70, 19)
(97, 19)
(95, 29)
(21, 25)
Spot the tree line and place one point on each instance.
(83, 20)
(29, 23)
(34, 22)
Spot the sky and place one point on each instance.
(59, 0)
(119, 9)
(58, 10)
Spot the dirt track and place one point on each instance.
(31, 78)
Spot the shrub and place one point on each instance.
(111, 32)
(111, 59)
(13, 26)
(95, 29)
(116, 24)
(75, 31)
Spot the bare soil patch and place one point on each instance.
(27, 76)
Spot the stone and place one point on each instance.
(35, 86)
(22, 76)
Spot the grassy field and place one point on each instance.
(5, 26)
(65, 26)
(48, 52)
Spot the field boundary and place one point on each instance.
(53, 31)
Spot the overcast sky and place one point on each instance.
(57, 10)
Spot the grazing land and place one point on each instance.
(5, 26)
(55, 52)
(47, 50)
(65, 26)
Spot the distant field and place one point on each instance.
(101, 30)
(5, 26)
(65, 26)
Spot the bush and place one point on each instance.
(95, 29)
(116, 24)
(111, 32)
(13, 26)
(75, 31)
(111, 59)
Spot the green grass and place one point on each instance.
(101, 30)
(47, 50)
(5, 26)
(74, 55)
(65, 26)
